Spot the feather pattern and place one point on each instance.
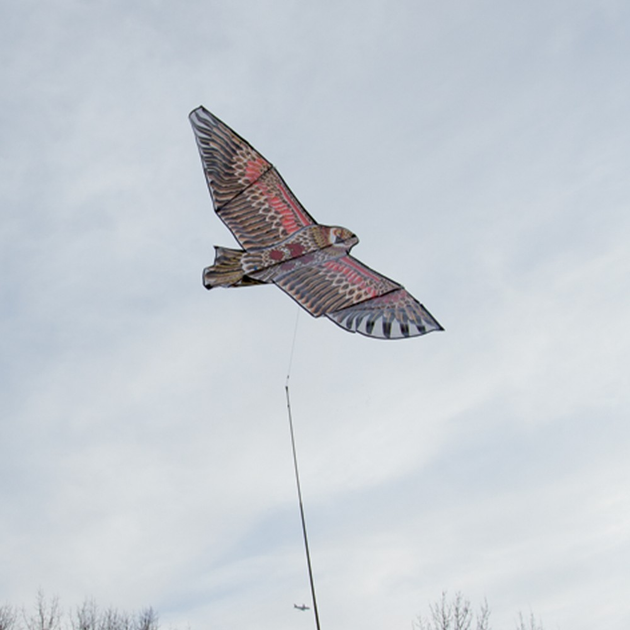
(330, 280)
(394, 315)
(249, 195)
(285, 246)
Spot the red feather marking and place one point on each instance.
(362, 270)
(287, 210)
(295, 249)
(255, 168)
(300, 218)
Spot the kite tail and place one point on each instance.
(227, 270)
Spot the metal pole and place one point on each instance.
(299, 491)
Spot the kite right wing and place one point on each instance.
(357, 298)
(395, 315)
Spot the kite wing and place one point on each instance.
(353, 296)
(249, 195)
(395, 315)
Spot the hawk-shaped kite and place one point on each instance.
(282, 244)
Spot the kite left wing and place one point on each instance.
(249, 194)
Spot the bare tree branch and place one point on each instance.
(531, 624)
(455, 614)
(7, 617)
(47, 615)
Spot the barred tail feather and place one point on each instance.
(227, 270)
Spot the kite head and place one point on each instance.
(342, 237)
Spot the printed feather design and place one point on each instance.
(282, 244)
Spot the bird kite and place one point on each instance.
(283, 245)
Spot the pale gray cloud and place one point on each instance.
(481, 154)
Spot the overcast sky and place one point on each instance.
(480, 150)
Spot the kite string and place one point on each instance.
(297, 317)
(297, 482)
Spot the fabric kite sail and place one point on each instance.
(283, 245)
